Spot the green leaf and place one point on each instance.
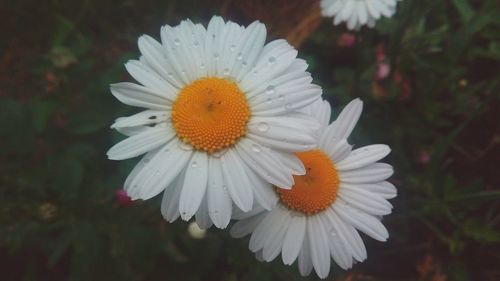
(464, 9)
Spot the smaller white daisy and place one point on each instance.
(357, 13)
(342, 191)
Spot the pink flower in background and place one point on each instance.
(122, 198)
(424, 157)
(346, 40)
(383, 70)
(380, 53)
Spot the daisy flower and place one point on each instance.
(343, 191)
(357, 13)
(221, 119)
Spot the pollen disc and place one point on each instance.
(317, 189)
(210, 114)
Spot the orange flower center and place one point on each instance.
(210, 114)
(317, 189)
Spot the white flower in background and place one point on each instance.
(357, 13)
(342, 191)
(221, 119)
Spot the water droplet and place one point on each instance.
(202, 66)
(288, 106)
(263, 127)
(194, 164)
(244, 64)
(333, 233)
(271, 60)
(185, 146)
(146, 160)
(270, 90)
(281, 97)
(232, 48)
(170, 75)
(256, 148)
(239, 56)
(269, 100)
(216, 56)
(177, 42)
(218, 153)
(226, 71)
(196, 43)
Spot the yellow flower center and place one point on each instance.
(210, 114)
(317, 189)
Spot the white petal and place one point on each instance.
(202, 218)
(264, 193)
(219, 201)
(253, 39)
(347, 235)
(238, 184)
(370, 225)
(244, 227)
(338, 150)
(263, 230)
(139, 166)
(263, 162)
(195, 185)
(318, 241)
(274, 242)
(241, 215)
(292, 162)
(375, 172)
(385, 189)
(286, 99)
(140, 96)
(147, 77)
(293, 239)
(363, 156)
(275, 57)
(161, 171)
(170, 200)
(141, 143)
(131, 131)
(345, 123)
(339, 250)
(305, 262)
(147, 117)
(369, 202)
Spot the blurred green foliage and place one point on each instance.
(437, 108)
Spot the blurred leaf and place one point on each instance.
(464, 8)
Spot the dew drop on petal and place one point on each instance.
(185, 146)
(177, 42)
(239, 56)
(263, 127)
(272, 60)
(255, 148)
(270, 90)
(194, 164)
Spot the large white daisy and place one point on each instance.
(357, 13)
(221, 119)
(342, 190)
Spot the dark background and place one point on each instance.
(437, 107)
